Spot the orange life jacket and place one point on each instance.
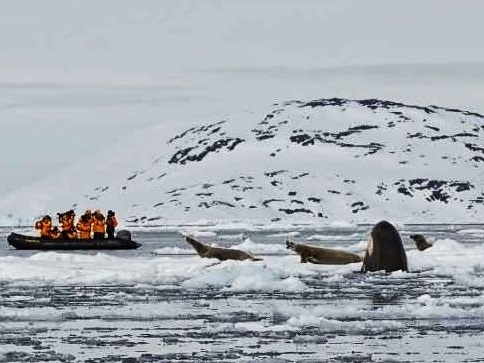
(98, 224)
(67, 222)
(71, 233)
(84, 229)
(54, 233)
(45, 228)
(67, 225)
(89, 218)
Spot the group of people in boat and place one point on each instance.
(90, 225)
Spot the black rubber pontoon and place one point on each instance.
(121, 242)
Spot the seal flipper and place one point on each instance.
(313, 260)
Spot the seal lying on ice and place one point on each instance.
(421, 242)
(322, 256)
(220, 253)
(384, 250)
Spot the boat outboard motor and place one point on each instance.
(124, 234)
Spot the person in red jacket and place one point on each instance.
(111, 223)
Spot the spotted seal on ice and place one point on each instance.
(322, 256)
(220, 253)
(384, 250)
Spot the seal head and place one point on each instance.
(420, 242)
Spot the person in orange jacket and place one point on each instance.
(88, 215)
(98, 225)
(45, 228)
(111, 223)
(83, 226)
(67, 222)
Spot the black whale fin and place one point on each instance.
(385, 250)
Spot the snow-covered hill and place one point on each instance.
(302, 161)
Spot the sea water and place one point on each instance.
(163, 303)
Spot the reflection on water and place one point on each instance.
(385, 298)
(433, 313)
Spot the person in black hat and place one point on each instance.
(111, 223)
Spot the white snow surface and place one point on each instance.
(318, 161)
(77, 77)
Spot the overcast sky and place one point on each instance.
(76, 74)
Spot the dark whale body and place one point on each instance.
(385, 250)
